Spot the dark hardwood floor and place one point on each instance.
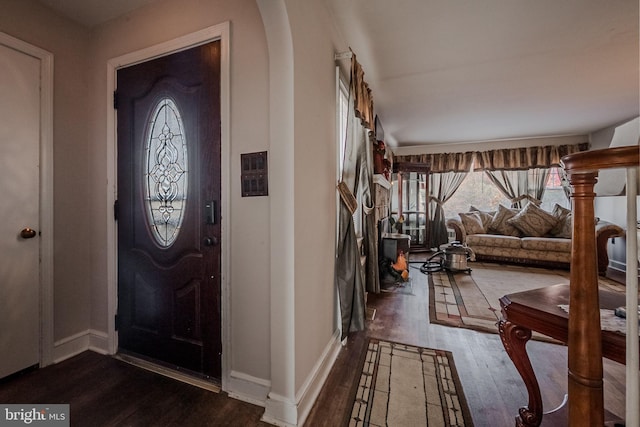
(104, 391)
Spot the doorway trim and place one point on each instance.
(217, 32)
(46, 191)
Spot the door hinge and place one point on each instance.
(116, 321)
(115, 99)
(116, 210)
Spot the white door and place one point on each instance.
(19, 210)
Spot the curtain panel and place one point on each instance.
(369, 232)
(441, 162)
(349, 274)
(442, 187)
(525, 158)
(538, 182)
(352, 278)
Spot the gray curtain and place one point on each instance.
(564, 179)
(442, 187)
(349, 275)
(538, 181)
(369, 231)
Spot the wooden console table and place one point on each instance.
(538, 310)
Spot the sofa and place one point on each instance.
(527, 236)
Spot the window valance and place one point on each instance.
(525, 157)
(441, 162)
(363, 101)
(503, 159)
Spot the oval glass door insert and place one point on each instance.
(166, 172)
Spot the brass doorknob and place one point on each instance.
(28, 233)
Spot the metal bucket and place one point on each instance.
(452, 257)
(456, 257)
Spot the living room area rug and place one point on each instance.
(472, 300)
(404, 385)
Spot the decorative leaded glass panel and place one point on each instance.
(166, 172)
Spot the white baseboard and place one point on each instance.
(310, 390)
(281, 412)
(73, 345)
(620, 268)
(617, 266)
(248, 388)
(98, 341)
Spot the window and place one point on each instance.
(342, 118)
(414, 205)
(343, 108)
(554, 191)
(476, 190)
(166, 172)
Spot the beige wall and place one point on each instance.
(68, 42)
(314, 46)
(302, 108)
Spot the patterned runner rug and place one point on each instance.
(473, 300)
(403, 385)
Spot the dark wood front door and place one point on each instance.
(168, 112)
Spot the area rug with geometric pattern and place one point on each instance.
(403, 385)
(472, 300)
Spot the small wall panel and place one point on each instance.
(254, 176)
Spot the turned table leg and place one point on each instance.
(514, 338)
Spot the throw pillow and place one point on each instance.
(499, 223)
(472, 222)
(566, 229)
(485, 216)
(533, 221)
(561, 214)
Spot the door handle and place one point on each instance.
(210, 241)
(211, 212)
(28, 233)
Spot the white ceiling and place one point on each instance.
(444, 71)
(457, 70)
